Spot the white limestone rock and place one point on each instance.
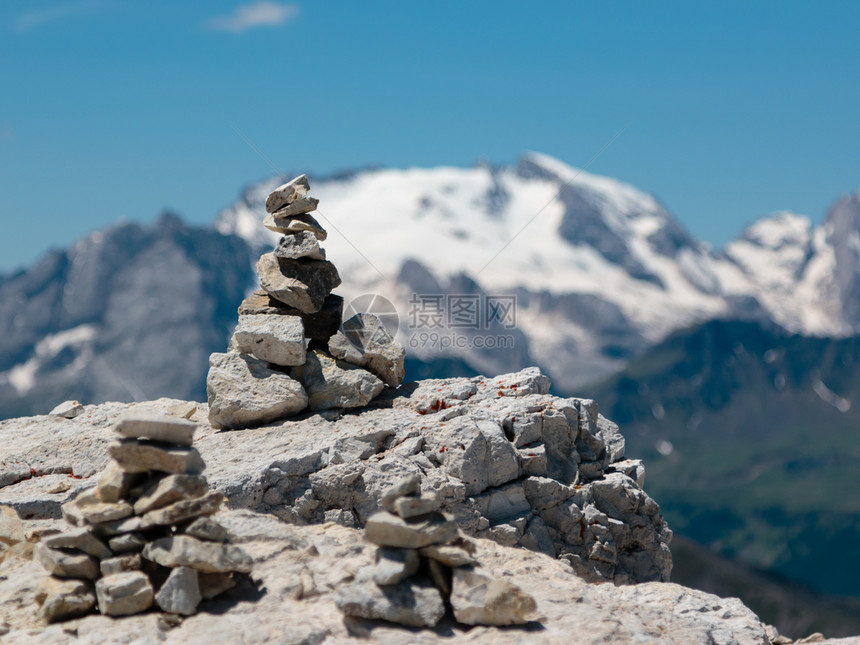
(406, 603)
(480, 599)
(364, 341)
(302, 244)
(287, 193)
(62, 599)
(67, 410)
(335, 384)
(302, 284)
(208, 557)
(274, 339)
(244, 392)
(180, 593)
(123, 594)
(158, 427)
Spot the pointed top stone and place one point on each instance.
(287, 193)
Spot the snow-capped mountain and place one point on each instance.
(600, 269)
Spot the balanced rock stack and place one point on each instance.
(423, 562)
(143, 535)
(289, 351)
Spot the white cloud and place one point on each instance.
(256, 14)
(58, 12)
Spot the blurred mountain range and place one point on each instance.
(731, 371)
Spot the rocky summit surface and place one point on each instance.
(540, 483)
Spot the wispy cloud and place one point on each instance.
(58, 12)
(256, 14)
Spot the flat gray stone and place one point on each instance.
(205, 528)
(180, 593)
(365, 342)
(62, 599)
(386, 529)
(120, 564)
(406, 603)
(294, 224)
(406, 486)
(209, 557)
(274, 339)
(303, 284)
(183, 510)
(407, 507)
(79, 539)
(287, 193)
(124, 594)
(449, 555)
(244, 392)
(158, 427)
(320, 325)
(170, 489)
(303, 244)
(335, 384)
(126, 543)
(135, 456)
(299, 206)
(114, 483)
(65, 564)
(87, 509)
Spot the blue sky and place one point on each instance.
(114, 108)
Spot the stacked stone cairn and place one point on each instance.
(422, 563)
(289, 351)
(143, 535)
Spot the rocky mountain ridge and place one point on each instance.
(299, 489)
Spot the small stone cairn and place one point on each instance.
(422, 563)
(143, 535)
(289, 351)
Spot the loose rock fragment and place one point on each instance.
(243, 392)
(158, 427)
(365, 342)
(120, 564)
(407, 603)
(66, 564)
(180, 593)
(62, 599)
(320, 325)
(209, 557)
(67, 410)
(206, 528)
(123, 594)
(479, 599)
(287, 193)
(303, 244)
(79, 539)
(136, 457)
(171, 489)
(386, 529)
(294, 224)
(275, 339)
(394, 565)
(183, 510)
(303, 284)
(335, 384)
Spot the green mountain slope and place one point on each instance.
(751, 437)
